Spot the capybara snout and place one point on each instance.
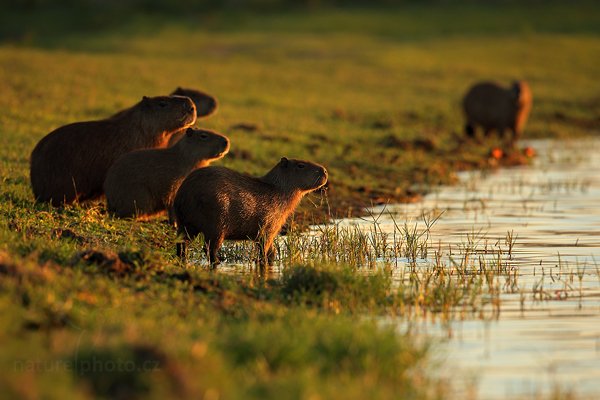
(208, 140)
(305, 175)
(185, 106)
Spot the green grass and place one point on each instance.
(336, 98)
(359, 91)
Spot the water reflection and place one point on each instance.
(547, 331)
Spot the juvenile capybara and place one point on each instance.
(70, 163)
(495, 108)
(224, 204)
(144, 182)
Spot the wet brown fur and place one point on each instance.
(495, 108)
(70, 163)
(144, 182)
(225, 205)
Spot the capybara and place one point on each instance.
(144, 182)
(205, 105)
(224, 204)
(70, 163)
(495, 108)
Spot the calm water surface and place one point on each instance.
(539, 339)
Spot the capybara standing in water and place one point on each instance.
(71, 162)
(144, 182)
(495, 108)
(224, 204)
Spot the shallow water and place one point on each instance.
(539, 339)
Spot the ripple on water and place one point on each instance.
(552, 208)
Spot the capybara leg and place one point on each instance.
(271, 256)
(501, 133)
(182, 250)
(266, 255)
(212, 248)
(172, 219)
(515, 137)
(470, 130)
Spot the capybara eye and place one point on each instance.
(203, 135)
(162, 104)
(301, 165)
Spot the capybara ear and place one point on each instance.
(189, 132)
(284, 162)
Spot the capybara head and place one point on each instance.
(203, 144)
(167, 113)
(291, 174)
(523, 102)
(205, 103)
(522, 93)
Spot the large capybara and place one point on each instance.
(205, 106)
(144, 182)
(495, 108)
(70, 163)
(224, 204)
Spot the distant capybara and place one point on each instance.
(70, 163)
(495, 108)
(224, 204)
(144, 182)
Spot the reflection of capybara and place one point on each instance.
(71, 162)
(495, 108)
(223, 204)
(144, 182)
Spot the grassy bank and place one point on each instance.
(373, 95)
